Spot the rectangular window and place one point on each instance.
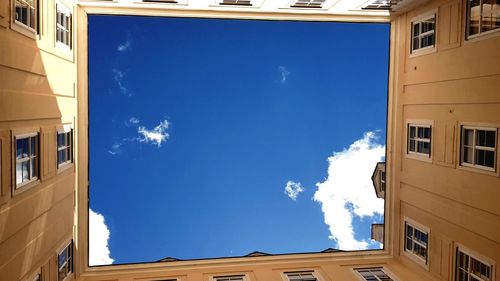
(470, 268)
(230, 278)
(373, 274)
(382, 181)
(65, 262)
(26, 13)
(63, 25)
(482, 16)
(419, 140)
(64, 147)
(423, 33)
(236, 2)
(416, 241)
(308, 3)
(301, 276)
(27, 157)
(478, 148)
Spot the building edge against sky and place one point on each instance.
(442, 164)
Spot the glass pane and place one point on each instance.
(420, 132)
(427, 133)
(490, 138)
(22, 148)
(474, 13)
(412, 145)
(416, 43)
(25, 171)
(490, 18)
(19, 173)
(468, 136)
(33, 168)
(416, 29)
(489, 159)
(34, 148)
(409, 244)
(60, 137)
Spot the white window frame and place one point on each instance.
(383, 181)
(378, 268)
(24, 185)
(64, 9)
(314, 273)
(418, 20)
(415, 154)
(472, 254)
(410, 254)
(475, 147)
(26, 29)
(246, 3)
(229, 278)
(71, 261)
(65, 129)
(467, 23)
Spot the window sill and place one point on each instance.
(18, 189)
(478, 169)
(423, 51)
(64, 167)
(420, 157)
(482, 36)
(23, 29)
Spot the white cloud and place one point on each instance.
(284, 73)
(118, 77)
(115, 148)
(292, 189)
(132, 121)
(348, 190)
(124, 46)
(99, 253)
(157, 135)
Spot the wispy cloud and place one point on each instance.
(132, 121)
(284, 73)
(118, 77)
(125, 45)
(293, 189)
(348, 190)
(157, 135)
(99, 253)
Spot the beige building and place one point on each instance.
(442, 211)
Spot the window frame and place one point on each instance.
(411, 254)
(418, 20)
(415, 154)
(69, 274)
(314, 273)
(243, 277)
(295, 5)
(63, 8)
(467, 23)
(65, 129)
(473, 166)
(23, 134)
(362, 278)
(470, 253)
(22, 28)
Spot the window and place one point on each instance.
(37, 277)
(230, 278)
(482, 16)
(308, 3)
(373, 274)
(64, 147)
(419, 140)
(423, 33)
(382, 181)
(63, 25)
(27, 13)
(470, 268)
(479, 147)
(65, 262)
(27, 157)
(416, 241)
(301, 276)
(236, 2)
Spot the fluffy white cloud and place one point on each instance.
(124, 46)
(292, 189)
(348, 190)
(157, 135)
(284, 73)
(115, 148)
(99, 253)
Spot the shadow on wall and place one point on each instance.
(36, 219)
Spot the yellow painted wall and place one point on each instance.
(37, 91)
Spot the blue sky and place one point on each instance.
(197, 126)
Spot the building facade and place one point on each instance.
(442, 174)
